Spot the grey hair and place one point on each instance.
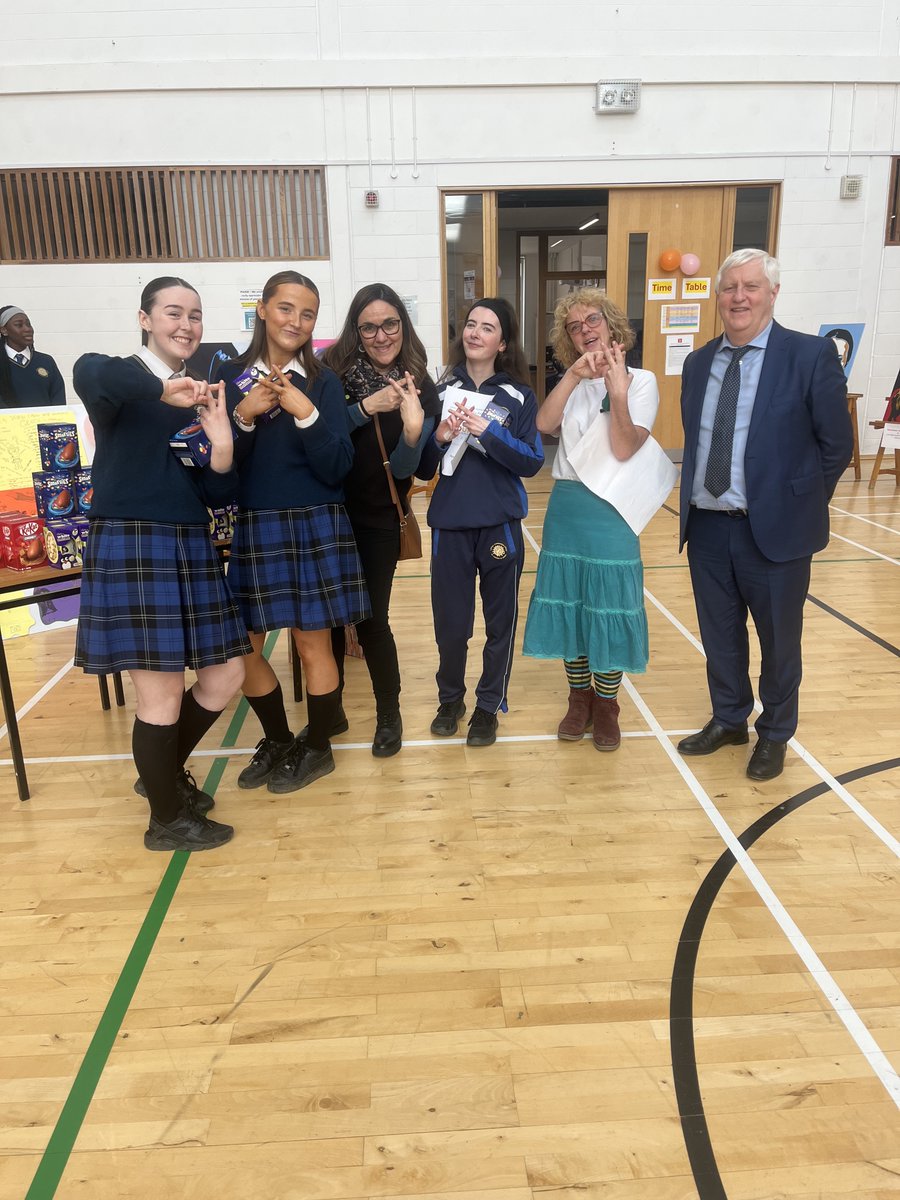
(770, 265)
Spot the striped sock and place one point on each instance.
(606, 685)
(578, 673)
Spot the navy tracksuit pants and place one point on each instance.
(496, 555)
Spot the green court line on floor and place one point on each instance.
(62, 1141)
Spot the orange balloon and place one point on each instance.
(669, 260)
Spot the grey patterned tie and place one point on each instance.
(718, 465)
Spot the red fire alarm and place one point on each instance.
(371, 199)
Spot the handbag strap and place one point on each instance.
(385, 462)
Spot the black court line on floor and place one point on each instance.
(867, 633)
(694, 1125)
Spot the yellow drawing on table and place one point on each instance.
(19, 453)
(16, 621)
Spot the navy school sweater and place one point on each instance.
(37, 384)
(135, 474)
(486, 489)
(283, 466)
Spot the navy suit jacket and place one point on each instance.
(799, 443)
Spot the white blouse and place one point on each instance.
(584, 406)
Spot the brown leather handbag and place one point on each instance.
(410, 534)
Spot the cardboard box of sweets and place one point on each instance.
(58, 444)
(64, 542)
(22, 540)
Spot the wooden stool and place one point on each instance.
(877, 468)
(852, 398)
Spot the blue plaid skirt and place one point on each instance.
(297, 568)
(154, 598)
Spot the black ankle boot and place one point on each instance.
(388, 732)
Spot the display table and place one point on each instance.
(66, 583)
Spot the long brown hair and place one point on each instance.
(152, 290)
(343, 353)
(258, 344)
(511, 360)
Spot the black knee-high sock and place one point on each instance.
(272, 716)
(155, 750)
(193, 722)
(322, 712)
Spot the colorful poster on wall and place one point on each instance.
(846, 338)
(679, 318)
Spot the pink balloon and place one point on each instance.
(690, 264)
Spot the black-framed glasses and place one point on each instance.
(591, 321)
(370, 330)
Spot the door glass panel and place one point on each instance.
(577, 252)
(751, 218)
(463, 222)
(637, 292)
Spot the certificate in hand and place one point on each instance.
(457, 448)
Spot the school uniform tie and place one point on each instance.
(21, 360)
(718, 465)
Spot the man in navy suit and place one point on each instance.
(767, 436)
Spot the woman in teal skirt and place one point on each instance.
(588, 606)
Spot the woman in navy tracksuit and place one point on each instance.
(477, 509)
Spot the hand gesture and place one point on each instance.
(181, 392)
(589, 366)
(213, 415)
(615, 373)
(448, 429)
(291, 399)
(411, 412)
(386, 399)
(470, 420)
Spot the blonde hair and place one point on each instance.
(587, 297)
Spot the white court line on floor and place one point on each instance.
(845, 1011)
(867, 549)
(865, 520)
(39, 694)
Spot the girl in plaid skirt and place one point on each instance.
(153, 597)
(294, 563)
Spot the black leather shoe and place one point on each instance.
(187, 792)
(713, 737)
(446, 721)
(482, 728)
(300, 768)
(767, 759)
(269, 754)
(388, 735)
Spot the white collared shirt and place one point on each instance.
(297, 367)
(160, 369)
(14, 353)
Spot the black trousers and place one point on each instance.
(379, 550)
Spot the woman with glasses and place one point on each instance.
(293, 559)
(383, 367)
(587, 607)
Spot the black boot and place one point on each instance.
(388, 734)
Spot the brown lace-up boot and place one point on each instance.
(578, 718)
(605, 715)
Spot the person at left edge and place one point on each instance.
(28, 378)
(293, 562)
(153, 594)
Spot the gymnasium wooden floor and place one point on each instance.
(493, 974)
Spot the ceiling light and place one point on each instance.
(558, 242)
(593, 221)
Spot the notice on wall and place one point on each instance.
(679, 318)
(660, 289)
(249, 297)
(411, 304)
(695, 289)
(678, 347)
(468, 285)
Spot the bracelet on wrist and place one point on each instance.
(362, 409)
(241, 423)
